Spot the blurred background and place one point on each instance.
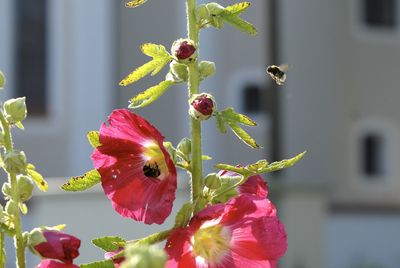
(340, 204)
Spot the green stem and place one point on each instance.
(193, 86)
(2, 251)
(18, 239)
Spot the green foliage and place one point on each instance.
(94, 138)
(82, 183)
(183, 216)
(37, 178)
(160, 58)
(261, 166)
(99, 264)
(150, 94)
(226, 191)
(233, 119)
(108, 243)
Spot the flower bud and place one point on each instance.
(25, 187)
(12, 207)
(212, 181)
(185, 146)
(110, 254)
(144, 256)
(15, 162)
(206, 68)
(201, 13)
(184, 50)
(179, 70)
(15, 110)
(202, 106)
(6, 189)
(2, 80)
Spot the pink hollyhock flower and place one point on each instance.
(137, 174)
(55, 264)
(58, 245)
(244, 232)
(109, 255)
(254, 184)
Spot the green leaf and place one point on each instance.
(226, 182)
(206, 157)
(160, 58)
(99, 264)
(282, 164)
(23, 208)
(82, 183)
(108, 243)
(230, 116)
(150, 94)
(20, 125)
(240, 24)
(94, 138)
(220, 123)
(236, 9)
(40, 182)
(184, 214)
(244, 136)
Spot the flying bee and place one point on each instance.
(277, 73)
(151, 171)
(134, 3)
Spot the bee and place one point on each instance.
(134, 3)
(277, 73)
(151, 171)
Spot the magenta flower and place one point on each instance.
(55, 264)
(245, 232)
(110, 255)
(59, 246)
(137, 174)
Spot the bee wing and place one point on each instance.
(134, 3)
(284, 67)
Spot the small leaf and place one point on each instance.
(40, 182)
(23, 208)
(94, 138)
(108, 243)
(240, 24)
(244, 136)
(99, 264)
(282, 164)
(229, 115)
(82, 183)
(139, 73)
(206, 158)
(154, 51)
(220, 123)
(150, 94)
(236, 9)
(19, 125)
(183, 216)
(134, 3)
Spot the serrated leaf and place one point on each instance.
(282, 164)
(229, 115)
(240, 24)
(183, 216)
(108, 243)
(244, 136)
(160, 58)
(220, 123)
(150, 95)
(94, 138)
(82, 183)
(236, 9)
(99, 264)
(40, 182)
(239, 170)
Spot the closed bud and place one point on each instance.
(212, 181)
(202, 106)
(185, 146)
(201, 13)
(12, 207)
(179, 70)
(15, 162)
(2, 80)
(143, 256)
(184, 50)
(15, 110)
(25, 187)
(6, 189)
(206, 68)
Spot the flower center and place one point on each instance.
(211, 243)
(154, 165)
(151, 170)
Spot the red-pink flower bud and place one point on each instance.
(111, 254)
(55, 264)
(58, 245)
(184, 49)
(202, 106)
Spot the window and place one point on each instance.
(373, 153)
(380, 13)
(252, 98)
(30, 54)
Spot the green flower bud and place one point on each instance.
(185, 146)
(2, 80)
(6, 189)
(201, 13)
(143, 256)
(184, 50)
(212, 181)
(35, 237)
(202, 106)
(206, 68)
(12, 207)
(25, 187)
(15, 162)
(170, 149)
(179, 70)
(15, 110)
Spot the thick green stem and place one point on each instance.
(193, 85)
(18, 239)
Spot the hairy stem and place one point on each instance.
(193, 86)
(12, 177)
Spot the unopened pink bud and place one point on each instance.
(202, 106)
(184, 49)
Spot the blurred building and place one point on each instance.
(340, 205)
